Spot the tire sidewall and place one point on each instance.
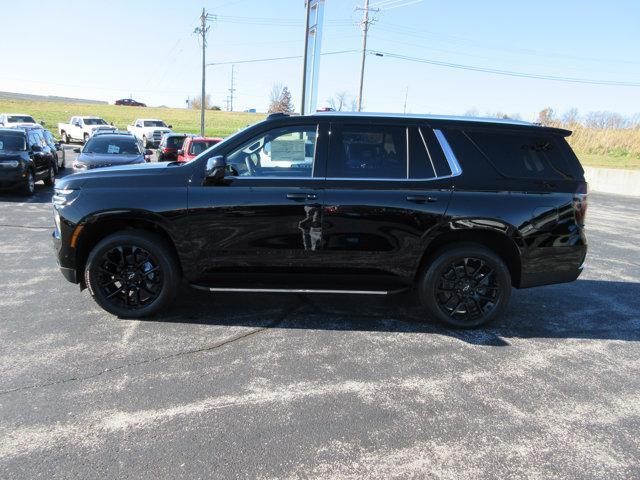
(442, 261)
(158, 249)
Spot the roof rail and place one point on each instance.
(271, 116)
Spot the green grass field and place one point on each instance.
(224, 123)
(217, 124)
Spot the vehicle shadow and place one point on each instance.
(586, 309)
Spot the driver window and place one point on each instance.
(282, 152)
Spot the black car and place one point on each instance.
(109, 149)
(56, 149)
(169, 146)
(460, 210)
(25, 158)
(129, 102)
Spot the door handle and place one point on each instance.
(302, 196)
(421, 199)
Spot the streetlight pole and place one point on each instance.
(365, 30)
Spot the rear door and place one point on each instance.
(387, 187)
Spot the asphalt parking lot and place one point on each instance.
(292, 386)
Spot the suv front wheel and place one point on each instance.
(466, 285)
(132, 274)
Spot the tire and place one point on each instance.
(63, 165)
(51, 176)
(65, 138)
(118, 279)
(466, 285)
(86, 137)
(29, 185)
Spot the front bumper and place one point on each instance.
(11, 177)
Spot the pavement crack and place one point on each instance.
(278, 320)
(33, 227)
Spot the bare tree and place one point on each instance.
(280, 99)
(472, 112)
(196, 102)
(546, 116)
(571, 117)
(605, 120)
(342, 102)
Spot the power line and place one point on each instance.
(272, 59)
(510, 73)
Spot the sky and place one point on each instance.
(147, 49)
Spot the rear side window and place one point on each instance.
(426, 159)
(359, 151)
(521, 155)
(11, 141)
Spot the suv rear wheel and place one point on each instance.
(132, 274)
(466, 285)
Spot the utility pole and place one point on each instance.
(365, 30)
(202, 30)
(304, 60)
(231, 90)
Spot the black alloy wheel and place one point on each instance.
(466, 286)
(29, 183)
(129, 277)
(51, 175)
(132, 274)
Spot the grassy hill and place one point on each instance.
(216, 123)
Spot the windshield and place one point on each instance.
(198, 147)
(154, 123)
(11, 141)
(20, 119)
(94, 121)
(175, 142)
(112, 145)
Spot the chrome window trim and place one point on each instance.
(454, 165)
(406, 131)
(424, 142)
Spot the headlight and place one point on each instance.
(64, 196)
(10, 164)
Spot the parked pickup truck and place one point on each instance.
(149, 131)
(81, 128)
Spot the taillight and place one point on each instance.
(580, 203)
(165, 150)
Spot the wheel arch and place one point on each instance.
(502, 239)
(98, 226)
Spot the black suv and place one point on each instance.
(25, 157)
(459, 209)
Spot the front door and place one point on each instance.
(267, 211)
(384, 194)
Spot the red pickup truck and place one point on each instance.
(194, 146)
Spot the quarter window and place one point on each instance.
(282, 152)
(368, 152)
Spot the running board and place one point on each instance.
(296, 290)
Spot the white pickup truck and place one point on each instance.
(81, 128)
(149, 130)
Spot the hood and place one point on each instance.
(110, 174)
(97, 160)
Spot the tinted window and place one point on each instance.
(175, 142)
(94, 121)
(368, 152)
(426, 159)
(197, 147)
(112, 145)
(282, 152)
(11, 141)
(20, 119)
(518, 155)
(154, 123)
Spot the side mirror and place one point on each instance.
(36, 148)
(42, 122)
(169, 126)
(76, 150)
(216, 168)
(180, 152)
(111, 124)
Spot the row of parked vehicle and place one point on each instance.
(29, 152)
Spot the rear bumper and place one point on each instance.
(553, 265)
